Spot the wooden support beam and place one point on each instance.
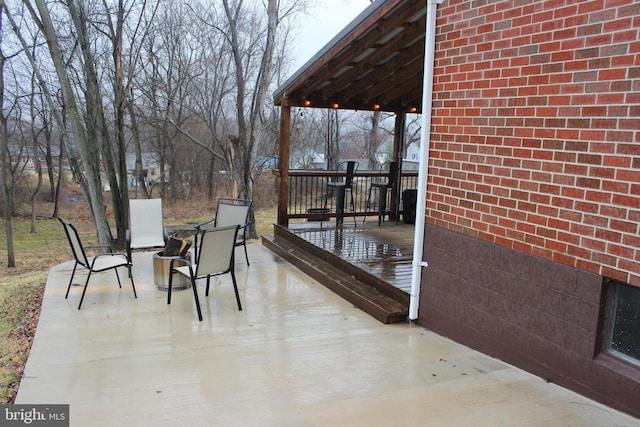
(283, 165)
(398, 152)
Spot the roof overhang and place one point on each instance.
(375, 63)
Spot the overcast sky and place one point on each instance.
(321, 24)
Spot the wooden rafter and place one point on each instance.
(375, 63)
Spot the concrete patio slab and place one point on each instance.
(297, 355)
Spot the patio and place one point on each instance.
(298, 355)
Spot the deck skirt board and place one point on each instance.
(368, 266)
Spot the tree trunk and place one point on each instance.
(372, 144)
(36, 160)
(246, 147)
(86, 148)
(121, 198)
(240, 143)
(4, 159)
(210, 178)
(139, 172)
(60, 181)
(96, 127)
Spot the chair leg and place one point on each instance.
(246, 255)
(353, 203)
(340, 194)
(135, 295)
(382, 204)
(71, 279)
(206, 292)
(195, 298)
(368, 205)
(372, 188)
(84, 290)
(353, 208)
(118, 277)
(326, 197)
(170, 285)
(235, 288)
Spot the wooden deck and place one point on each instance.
(367, 264)
(385, 251)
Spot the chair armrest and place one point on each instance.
(180, 259)
(107, 247)
(110, 254)
(202, 224)
(243, 229)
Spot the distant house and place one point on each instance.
(307, 159)
(150, 166)
(411, 160)
(384, 153)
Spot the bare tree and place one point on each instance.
(82, 138)
(249, 106)
(131, 80)
(110, 22)
(4, 155)
(171, 65)
(250, 36)
(91, 129)
(209, 92)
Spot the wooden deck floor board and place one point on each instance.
(385, 251)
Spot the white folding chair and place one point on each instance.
(146, 229)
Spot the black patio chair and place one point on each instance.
(229, 212)
(215, 257)
(340, 187)
(381, 187)
(96, 264)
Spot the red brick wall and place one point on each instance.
(536, 129)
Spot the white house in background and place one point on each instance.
(412, 157)
(410, 161)
(150, 167)
(384, 153)
(307, 159)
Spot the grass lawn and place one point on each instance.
(21, 292)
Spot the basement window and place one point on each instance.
(624, 336)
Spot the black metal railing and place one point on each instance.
(310, 197)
